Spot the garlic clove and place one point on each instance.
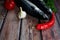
(21, 14)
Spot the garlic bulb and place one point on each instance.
(21, 14)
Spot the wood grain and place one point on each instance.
(12, 27)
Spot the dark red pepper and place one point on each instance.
(47, 24)
(9, 4)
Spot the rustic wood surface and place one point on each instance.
(11, 28)
(12, 24)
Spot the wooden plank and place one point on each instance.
(10, 29)
(52, 33)
(2, 16)
(27, 23)
(58, 10)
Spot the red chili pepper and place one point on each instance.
(47, 24)
(9, 4)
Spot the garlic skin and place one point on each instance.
(21, 14)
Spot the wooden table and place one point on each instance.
(11, 28)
